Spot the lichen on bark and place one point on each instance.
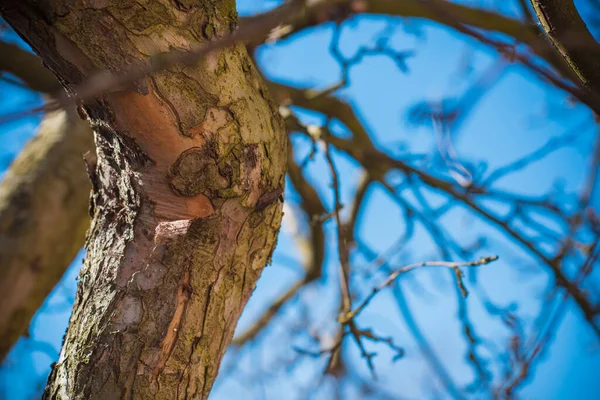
(189, 173)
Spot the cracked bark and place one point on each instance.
(184, 212)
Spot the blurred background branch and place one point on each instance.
(43, 203)
(392, 183)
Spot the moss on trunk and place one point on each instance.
(186, 206)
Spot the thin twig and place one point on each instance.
(394, 275)
(342, 248)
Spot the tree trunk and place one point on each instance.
(186, 187)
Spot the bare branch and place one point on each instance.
(394, 275)
(43, 219)
(361, 148)
(341, 238)
(27, 67)
(561, 20)
(43, 203)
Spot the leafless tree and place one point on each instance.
(193, 142)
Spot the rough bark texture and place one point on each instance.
(186, 207)
(43, 219)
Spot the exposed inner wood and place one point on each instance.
(186, 211)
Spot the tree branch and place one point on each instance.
(568, 33)
(361, 148)
(394, 275)
(43, 219)
(43, 203)
(27, 67)
(440, 11)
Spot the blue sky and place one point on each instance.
(517, 115)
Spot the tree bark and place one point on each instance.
(570, 36)
(186, 194)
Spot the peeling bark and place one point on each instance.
(185, 214)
